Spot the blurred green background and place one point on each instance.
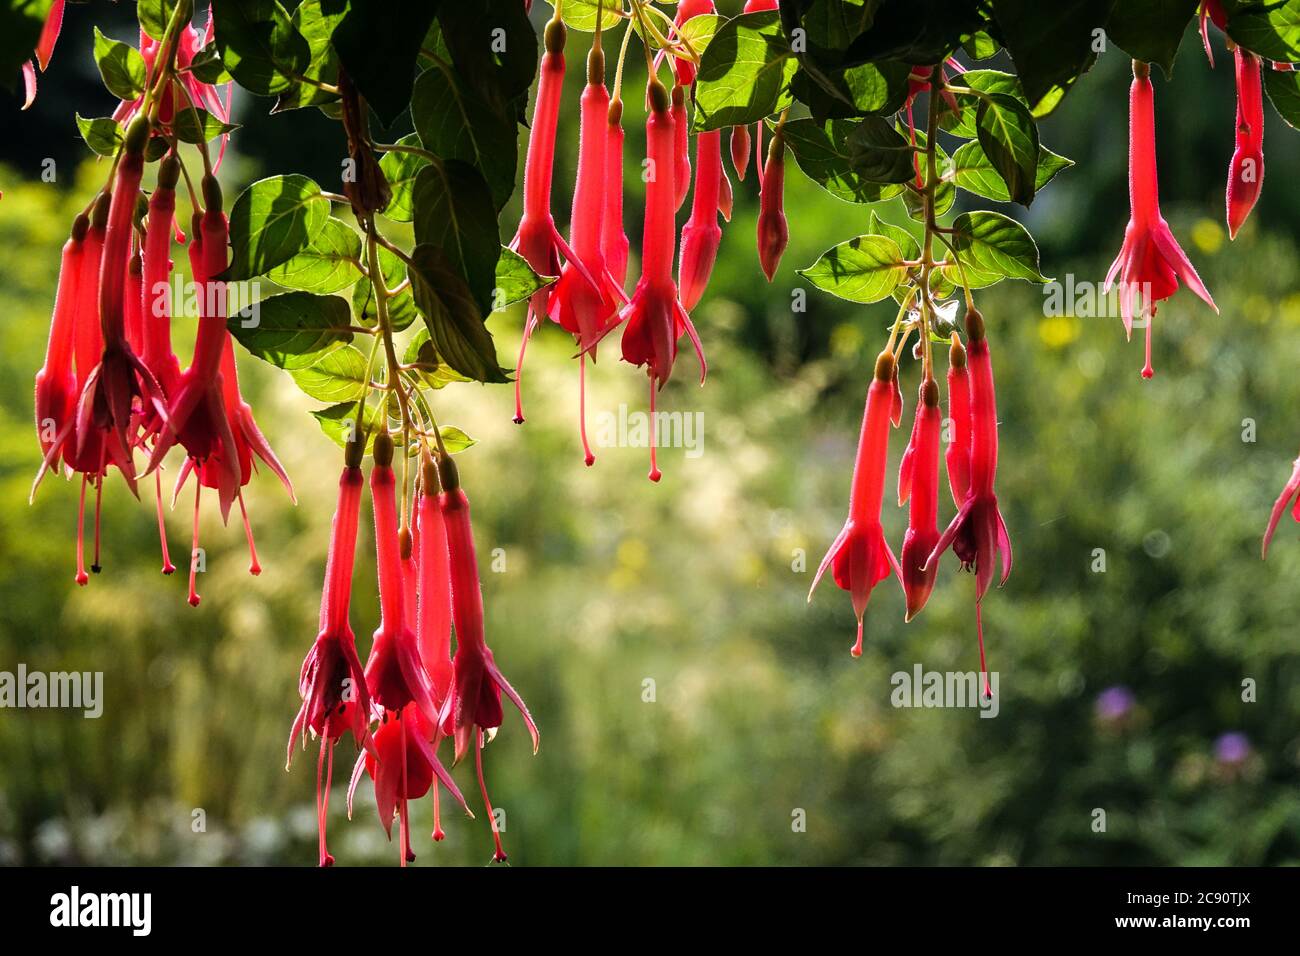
(1120, 690)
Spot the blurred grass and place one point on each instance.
(609, 582)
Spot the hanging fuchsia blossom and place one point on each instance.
(474, 710)
(957, 457)
(860, 555)
(1246, 170)
(1150, 262)
(655, 318)
(538, 240)
(918, 480)
(614, 244)
(702, 235)
(332, 684)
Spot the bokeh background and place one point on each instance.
(1121, 689)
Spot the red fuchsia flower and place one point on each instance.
(474, 707)
(332, 684)
(918, 479)
(701, 235)
(120, 379)
(433, 613)
(957, 456)
(614, 244)
(683, 67)
(215, 99)
(1246, 171)
(978, 534)
(538, 240)
(44, 51)
(158, 354)
(1289, 493)
(588, 311)
(1150, 262)
(741, 143)
(655, 318)
(773, 233)
(56, 382)
(206, 412)
(860, 555)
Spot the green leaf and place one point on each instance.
(493, 48)
(1050, 44)
(339, 421)
(121, 66)
(823, 152)
(878, 153)
(908, 244)
(259, 45)
(1283, 88)
(330, 264)
(103, 134)
(401, 307)
(197, 125)
(745, 73)
(1270, 29)
(454, 320)
(317, 28)
(454, 122)
(515, 280)
(980, 46)
(153, 16)
(400, 169)
(996, 245)
(916, 31)
(208, 68)
(964, 124)
(865, 269)
(1151, 30)
(337, 376)
(973, 171)
(454, 211)
(433, 372)
(836, 92)
(294, 330)
(1009, 138)
(581, 14)
(378, 44)
(272, 221)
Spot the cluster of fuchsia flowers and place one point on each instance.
(589, 300)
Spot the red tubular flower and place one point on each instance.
(538, 240)
(957, 457)
(978, 522)
(684, 68)
(613, 239)
(741, 144)
(158, 354)
(394, 674)
(585, 310)
(702, 235)
(725, 198)
(681, 146)
(978, 534)
(918, 479)
(56, 382)
(120, 378)
(1150, 262)
(1246, 171)
(332, 684)
(476, 701)
(655, 318)
(860, 553)
(773, 233)
(433, 613)
(1289, 493)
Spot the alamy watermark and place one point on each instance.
(74, 690)
(921, 688)
(633, 429)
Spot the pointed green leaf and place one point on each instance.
(865, 269)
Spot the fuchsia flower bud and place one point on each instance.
(702, 235)
(1246, 170)
(655, 318)
(158, 354)
(957, 457)
(681, 146)
(773, 233)
(918, 479)
(1150, 262)
(860, 554)
(741, 146)
(476, 705)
